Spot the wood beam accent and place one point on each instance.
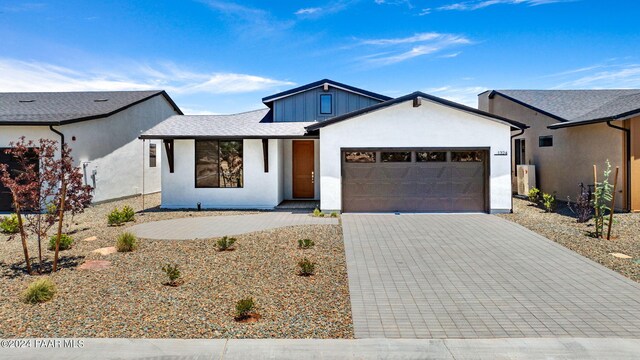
(265, 154)
(168, 146)
(417, 102)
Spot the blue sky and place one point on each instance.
(218, 56)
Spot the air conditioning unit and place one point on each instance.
(526, 178)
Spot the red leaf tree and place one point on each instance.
(36, 183)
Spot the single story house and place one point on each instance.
(349, 148)
(101, 128)
(570, 131)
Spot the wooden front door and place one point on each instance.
(303, 169)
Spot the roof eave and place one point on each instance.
(529, 106)
(270, 99)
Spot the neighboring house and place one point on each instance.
(102, 130)
(351, 149)
(570, 131)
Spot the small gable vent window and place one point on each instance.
(545, 141)
(326, 104)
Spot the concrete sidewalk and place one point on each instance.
(551, 348)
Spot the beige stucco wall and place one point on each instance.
(569, 162)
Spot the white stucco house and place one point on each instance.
(101, 128)
(350, 149)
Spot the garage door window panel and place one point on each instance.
(360, 156)
(431, 156)
(395, 156)
(466, 156)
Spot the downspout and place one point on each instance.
(628, 165)
(61, 137)
(510, 162)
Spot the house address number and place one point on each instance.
(500, 153)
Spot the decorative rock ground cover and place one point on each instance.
(128, 299)
(562, 228)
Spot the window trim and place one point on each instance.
(195, 168)
(330, 95)
(545, 138)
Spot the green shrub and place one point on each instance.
(119, 217)
(173, 273)
(115, 218)
(549, 202)
(126, 242)
(226, 243)
(127, 214)
(317, 213)
(305, 243)
(306, 267)
(9, 224)
(65, 242)
(244, 307)
(39, 291)
(534, 195)
(334, 214)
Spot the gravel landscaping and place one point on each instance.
(562, 228)
(128, 298)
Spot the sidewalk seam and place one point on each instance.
(224, 349)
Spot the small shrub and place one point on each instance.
(306, 267)
(173, 273)
(226, 243)
(126, 242)
(127, 214)
(334, 214)
(65, 242)
(244, 307)
(9, 224)
(39, 291)
(317, 213)
(582, 207)
(549, 202)
(534, 195)
(115, 218)
(305, 243)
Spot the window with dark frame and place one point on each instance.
(219, 164)
(466, 156)
(326, 104)
(431, 156)
(360, 156)
(545, 141)
(395, 156)
(152, 155)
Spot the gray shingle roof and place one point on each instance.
(578, 105)
(56, 108)
(252, 124)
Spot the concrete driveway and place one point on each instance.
(478, 276)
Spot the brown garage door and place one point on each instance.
(408, 180)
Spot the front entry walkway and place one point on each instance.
(478, 276)
(215, 226)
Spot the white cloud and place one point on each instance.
(402, 49)
(38, 76)
(308, 11)
(480, 4)
(250, 21)
(618, 76)
(424, 12)
(467, 95)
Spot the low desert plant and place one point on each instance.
(334, 214)
(225, 243)
(549, 202)
(244, 307)
(317, 213)
(9, 224)
(173, 273)
(127, 214)
(65, 242)
(307, 267)
(305, 243)
(126, 242)
(534, 195)
(39, 291)
(115, 218)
